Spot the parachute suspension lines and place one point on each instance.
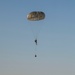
(36, 16)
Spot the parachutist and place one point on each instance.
(35, 55)
(36, 41)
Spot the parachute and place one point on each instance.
(36, 15)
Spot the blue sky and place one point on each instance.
(56, 40)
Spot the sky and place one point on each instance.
(56, 39)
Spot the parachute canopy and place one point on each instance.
(36, 15)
